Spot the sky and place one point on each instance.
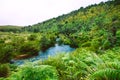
(28, 12)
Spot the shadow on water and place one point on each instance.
(52, 51)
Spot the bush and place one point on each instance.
(2, 41)
(4, 70)
(68, 66)
(13, 67)
(32, 37)
(6, 53)
(43, 72)
(30, 48)
(106, 74)
(45, 43)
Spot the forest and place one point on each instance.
(93, 31)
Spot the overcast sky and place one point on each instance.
(28, 12)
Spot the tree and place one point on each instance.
(117, 2)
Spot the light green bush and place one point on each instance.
(106, 74)
(42, 72)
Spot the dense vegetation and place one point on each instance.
(9, 28)
(95, 33)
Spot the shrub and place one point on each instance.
(32, 37)
(6, 53)
(2, 41)
(13, 67)
(45, 43)
(31, 48)
(106, 74)
(68, 67)
(4, 70)
(42, 72)
(95, 44)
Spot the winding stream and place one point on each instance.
(52, 51)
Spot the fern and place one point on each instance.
(106, 74)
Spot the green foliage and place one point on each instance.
(31, 48)
(32, 37)
(116, 2)
(43, 72)
(95, 34)
(13, 67)
(1, 41)
(4, 70)
(2, 79)
(85, 23)
(5, 53)
(46, 42)
(107, 74)
(83, 64)
(68, 66)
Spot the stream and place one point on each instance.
(52, 51)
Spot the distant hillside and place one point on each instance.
(102, 15)
(10, 28)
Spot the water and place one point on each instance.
(52, 51)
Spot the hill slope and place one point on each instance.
(8, 28)
(97, 25)
(103, 15)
